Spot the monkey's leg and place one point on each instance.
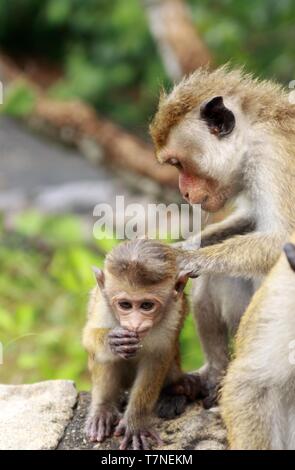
(218, 304)
(249, 411)
(103, 413)
(135, 425)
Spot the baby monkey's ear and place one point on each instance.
(289, 249)
(99, 276)
(180, 283)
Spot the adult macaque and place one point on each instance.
(258, 394)
(232, 139)
(135, 316)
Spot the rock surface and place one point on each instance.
(51, 415)
(35, 416)
(196, 429)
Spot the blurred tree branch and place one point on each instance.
(77, 123)
(181, 48)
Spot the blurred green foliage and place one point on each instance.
(19, 100)
(45, 280)
(257, 34)
(109, 57)
(105, 48)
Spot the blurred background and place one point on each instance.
(81, 80)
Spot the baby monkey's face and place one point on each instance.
(137, 313)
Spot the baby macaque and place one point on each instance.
(258, 394)
(135, 316)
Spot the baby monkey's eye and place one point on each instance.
(174, 162)
(125, 305)
(147, 306)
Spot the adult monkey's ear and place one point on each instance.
(289, 249)
(220, 120)
(99, 276)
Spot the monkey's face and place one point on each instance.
(136, 313)
(140, 309)
(207, 147)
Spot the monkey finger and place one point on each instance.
(189, 269)
(122, 333)
(193, 386)
(132, 349)
(144, 441)
(115, 341)
(116, 421)
(125, 442)
(136, 442)
(108, 426)
(155, 436)
(129, 347)
(101, 435)
(125, 355)
(91, 430)
(210, 401)
(120, 429)
(171, 406)
(184, 388)
(189, 385)
(178, 389)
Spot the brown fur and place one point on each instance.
(138, 267)
(262, 99)
(254, 167)
(136, 260)
(258, 390)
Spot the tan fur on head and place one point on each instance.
(260, 99)
(142, 262)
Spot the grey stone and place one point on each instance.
(35, 416)
(48, 415)
(196, 429)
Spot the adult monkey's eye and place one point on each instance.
(174, 162)
(147, 306)
(125, 305)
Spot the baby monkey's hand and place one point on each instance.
(124, 343)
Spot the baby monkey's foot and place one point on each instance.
(136, 440)
(123, 343)
(100, 425)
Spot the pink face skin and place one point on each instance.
(197, 188)
(137, 314)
